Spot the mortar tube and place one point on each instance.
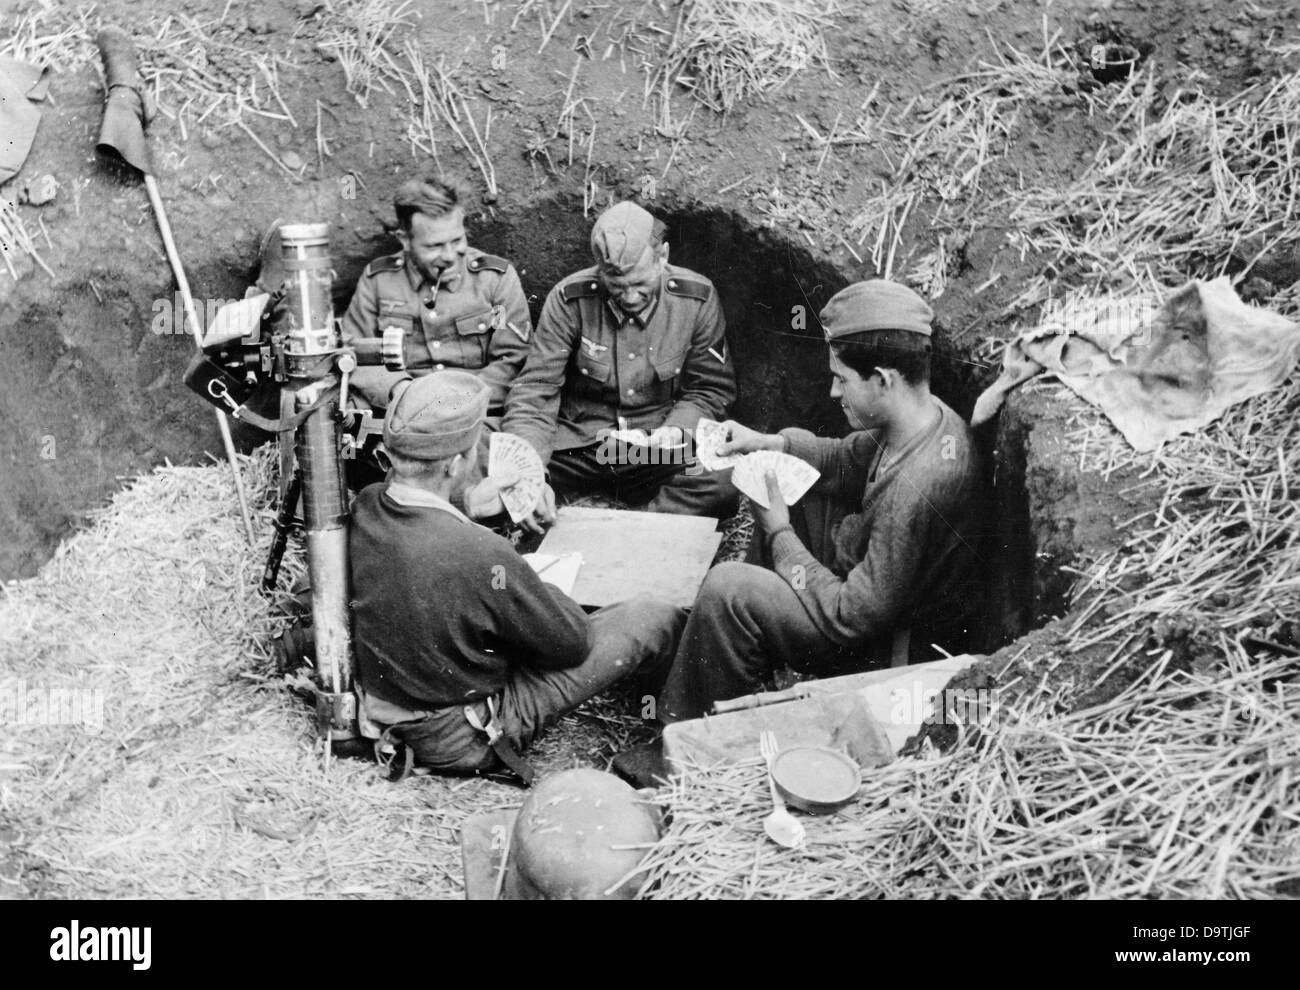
(325, 514)
(310, 345)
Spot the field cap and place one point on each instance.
(875, 305)
(436, 416)
(621, 235)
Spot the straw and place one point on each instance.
(1184, 190)
(205, 779)
(724, 51)
(1038, 804)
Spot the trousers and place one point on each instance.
(747, 621)
(636, 637)
(658, 487)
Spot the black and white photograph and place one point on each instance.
(703, 450)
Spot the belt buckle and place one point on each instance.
(492, 729)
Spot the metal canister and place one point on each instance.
(309, 311)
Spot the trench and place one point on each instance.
(771, 288)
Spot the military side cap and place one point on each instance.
(875, 305)
(436, 416)
(621, 235)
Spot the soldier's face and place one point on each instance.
(435, 244)
(862, 399)
(636, 288)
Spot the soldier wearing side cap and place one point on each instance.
(631, 343)
(463, 654)
(458, 307)
(878, 561)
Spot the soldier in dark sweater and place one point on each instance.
(453, 629)
(876, 562)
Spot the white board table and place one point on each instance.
(628, 553)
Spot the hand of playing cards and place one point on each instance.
(793, 476)
(507, 453)
(749, 472)
(709, 436)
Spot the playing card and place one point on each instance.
(560, 570)
(638, 438)
(508, 453)
(709, 435)
(793, 476)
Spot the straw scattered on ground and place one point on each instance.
(206, 779)
(1147, 748)
(1166, 771)
(726, 50)
(1186, 186)
(1181, 788)
(939, 146)
(194, 71)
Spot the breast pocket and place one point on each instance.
(668, 372)
(396, 313)
(474, 332)
(593, 374)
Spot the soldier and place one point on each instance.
(459, 307)
(463, 654)
(632, 342)
(879, 560)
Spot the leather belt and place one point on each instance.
(499, 744)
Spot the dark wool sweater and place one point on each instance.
(443, 608)
(907, 559)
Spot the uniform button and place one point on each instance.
(631, 356)
(482, 326)
(677, 371)
(672, 283)
(592, 286)
(585, 371)
(436, 343)
(438, 367)
(631, 391)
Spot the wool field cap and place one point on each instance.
(436, 416)
(875, 305)
(621, 235)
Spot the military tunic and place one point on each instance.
(476, 319)
(591, 364)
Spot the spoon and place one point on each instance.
(781, 826)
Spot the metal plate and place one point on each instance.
(816, 779)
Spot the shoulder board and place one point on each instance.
(388, 263)
(689, 287)
(579, 288)
(489, 261)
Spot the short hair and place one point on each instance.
(415, 467)
(906, 352)
(432, 197)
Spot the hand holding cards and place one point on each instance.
(665, 437)
(507, 453)
(709, 436)
(793, 476)
(749, 472)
